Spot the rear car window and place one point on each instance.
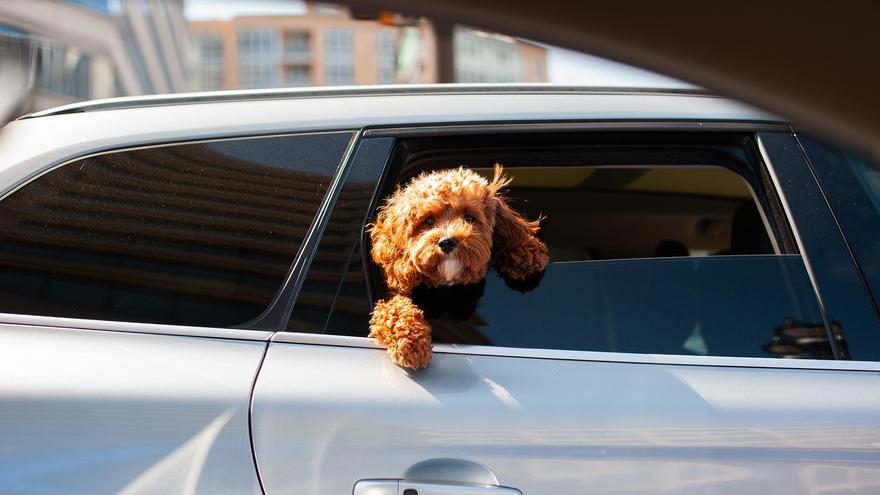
(190, 234)
(667, 258)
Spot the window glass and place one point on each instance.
(644, 259)
(759, 306)
(852, 187)
(194, 234)
(339, 254)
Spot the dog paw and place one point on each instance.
(523, 285)
(400, 326)
(523, 260)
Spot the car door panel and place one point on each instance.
(98, 411)
(328, 416)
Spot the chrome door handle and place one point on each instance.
(405, 487)
(427, 488)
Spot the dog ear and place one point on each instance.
(389, 235)
(516, 251)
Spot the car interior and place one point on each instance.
(627, 196)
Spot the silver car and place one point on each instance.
(185, 289)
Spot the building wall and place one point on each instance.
(327, 35)
(373, 49)
(101, 48)
(534, 62)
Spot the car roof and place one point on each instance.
(44, 139)
(356, 91)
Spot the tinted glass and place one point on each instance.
(195, 234)
(338, 255)
(759, 306)
(853, 189)
(851, 186)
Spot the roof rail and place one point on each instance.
(347, 91)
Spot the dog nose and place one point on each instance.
(447, 244)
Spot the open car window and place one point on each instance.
(661, 258)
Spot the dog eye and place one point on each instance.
(469, 219)
(429, 221)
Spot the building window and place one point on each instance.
(386, 55)
(297, 49)
(296, 43)
(207, 61)
(259, 57)
(297, 75)
(338, 62)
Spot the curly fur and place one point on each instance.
(456, 204)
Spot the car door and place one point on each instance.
(638, 375)
(136, 291)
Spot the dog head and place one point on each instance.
(441, 228)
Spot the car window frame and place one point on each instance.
(773, 188)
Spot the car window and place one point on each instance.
(644, 258)
(852, 188)
(191, 234)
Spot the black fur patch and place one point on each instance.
(455, 302)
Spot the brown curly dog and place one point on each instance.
(444, 228)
